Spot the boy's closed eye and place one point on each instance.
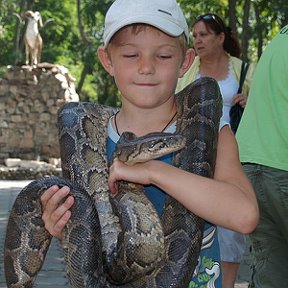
(165, 56)
(160, 56)
(132, 55)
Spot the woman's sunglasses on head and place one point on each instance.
(208, 17)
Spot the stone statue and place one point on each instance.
(32, 38)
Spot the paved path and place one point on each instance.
(53, 273)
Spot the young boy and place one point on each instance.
(145, 50)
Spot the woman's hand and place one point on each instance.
(138, 173)
(241, 99)
(56, 211)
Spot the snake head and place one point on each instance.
(132, 149)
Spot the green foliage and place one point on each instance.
(193, 8)
(7, 22)
(60, 37)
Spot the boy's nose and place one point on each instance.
(146, 66)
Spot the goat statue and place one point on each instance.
(32, 38)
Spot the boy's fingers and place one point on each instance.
(56, 210)
(62, 209)
(49, 193)
(59, 226)
(52, 197)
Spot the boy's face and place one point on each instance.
(145, 64)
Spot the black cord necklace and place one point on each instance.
(170, 121)
(115, 122)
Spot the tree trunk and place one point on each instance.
(84, 73)
(258, 30)
(232, 15)
(245, 30)
(85, 40)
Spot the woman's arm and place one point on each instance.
(228, 200)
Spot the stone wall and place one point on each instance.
(30, 98)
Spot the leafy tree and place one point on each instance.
(90, 23)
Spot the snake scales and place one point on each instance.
(119, 242)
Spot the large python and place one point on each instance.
(116, 242)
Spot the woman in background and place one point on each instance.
(218, 52)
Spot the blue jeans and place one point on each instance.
(270, 238)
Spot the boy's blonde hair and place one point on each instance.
(137, 28)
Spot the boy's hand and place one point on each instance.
(137, 173)
(56, 211)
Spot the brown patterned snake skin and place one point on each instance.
(119, 242)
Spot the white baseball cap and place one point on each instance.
(165, 15)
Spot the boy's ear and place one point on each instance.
(187, 62)
(105, 60)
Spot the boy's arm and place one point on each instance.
(228, 200)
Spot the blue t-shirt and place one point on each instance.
(208, 270)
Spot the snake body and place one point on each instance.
(121, 241)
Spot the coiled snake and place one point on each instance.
(119, 242)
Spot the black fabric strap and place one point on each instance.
(244, 69)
